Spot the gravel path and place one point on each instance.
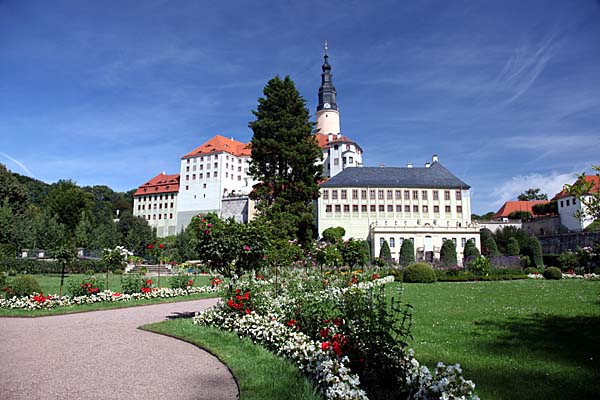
(102, 355)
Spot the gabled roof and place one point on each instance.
(323, 140)
(161, 183)
(593, 179)
(436, 176)
(219, 144)
(513, 206)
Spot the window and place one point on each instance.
(363, 208)
(187, 169)
(187, 187)
(239, 177)
(187, 177)
(407, 209)
(226, 174)
(354, 194)
(424, 194)
(194, 168)
(328, 208)
(448, 209)
(380, 194)
(390, 208)
(446, 195)
(573, 201)
(372, 208)
(567, 202)
(425, 209)
(416, 209)
(204, 186)
(344, 194)
(381, 240)
(371, 194)
(344, 160)
(436, 209)
(346, 208)
(363, 194)
(392, 242)
(381, 208)
(335, 147)
(216, 165)
(347, 147)
(458, 196)
(338, 208)
(336, 161)
(325, 194)
(334, 194)
(561, 203)
(463, 242)
(239, 169)
(351, 160)
(207, 166)
(139, 207)
(159, 216)
(170, 215)
(454, 241)
(398, 208)
(201, 167)
(398, 194)
(355, 208)
(188, 160)
(171, 205)
(406, 195)
(194, 177)
(459, 209)
(389, 195)
(415, 195)
(200, 176)
(207, 175)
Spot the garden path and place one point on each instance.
(102, 355)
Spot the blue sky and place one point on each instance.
(506, 93)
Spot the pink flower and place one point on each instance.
(246, 248)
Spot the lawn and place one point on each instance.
(515, 339)
(260, 374)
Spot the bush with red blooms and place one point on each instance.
(240, 302)
(85, 287)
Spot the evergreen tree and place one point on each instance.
(50, 234)
(385, 253)
(512, 247)
(366, 250)
(490, 248)
(66, 201)
(83, 231)
(535, 252)
(471, 250)
(284, 161)
(407, 252)
(448, 254)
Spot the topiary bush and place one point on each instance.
(419, 273)
(552, 273)
(23, 285)
(86, 286)
(181, 281)
(132, 283)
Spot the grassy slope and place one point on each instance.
(261, 375)
(515, 339)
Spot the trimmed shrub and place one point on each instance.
(552, 273)
(489, 247)
(385, 253)
(132, 283)
(471, 250)
(32, 266)
(85, 287)
(512, 247)
(23, 285)
(181, 281)
(334, 234)
(419, 273)
(536, 252)
(407, 252)
(448, 254)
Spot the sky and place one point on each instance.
(507, 93)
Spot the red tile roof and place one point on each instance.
(323, 140)
(593, 179)
(511, 206)
(161, 183)
(219, 144)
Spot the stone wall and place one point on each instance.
(556, 244)
(236, 207)
(542, 226)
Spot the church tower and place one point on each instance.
(328, 116)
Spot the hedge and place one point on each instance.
(32, 266)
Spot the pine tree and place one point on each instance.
(512, 247)
(448, 254)
(407, 252)
(385, 253)
(284, 160)
(536, 252)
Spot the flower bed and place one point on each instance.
(297, 326)
(591, 277)
(38, 301)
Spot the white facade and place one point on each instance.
(156, 202)
(339, 153)
(568, 207)
(328, 122)
(206, 179)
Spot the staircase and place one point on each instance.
(152, 270)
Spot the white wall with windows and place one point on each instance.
(567, 208)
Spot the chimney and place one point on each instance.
(409, 165)
(427, 165)
(329, 137)
(434, 158)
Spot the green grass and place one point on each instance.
(50, 283)
(260, 374)
(514, 339)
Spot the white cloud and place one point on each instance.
(550, 184)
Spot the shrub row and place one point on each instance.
(27, 266)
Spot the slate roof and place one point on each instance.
(436, 176)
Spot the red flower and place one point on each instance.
(354, 281)
(324, 332)
(337, 348)
(248, 311)
(149, 282)
(145, 290)
(150, 246)
(190, 282)
(260, 277)
(325, 346)
(337, 322)
(291, 322)
(375, 276)
(161, 246)
(116, 294)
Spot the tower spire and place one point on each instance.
(327, 91)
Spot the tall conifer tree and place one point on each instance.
(284, 161)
